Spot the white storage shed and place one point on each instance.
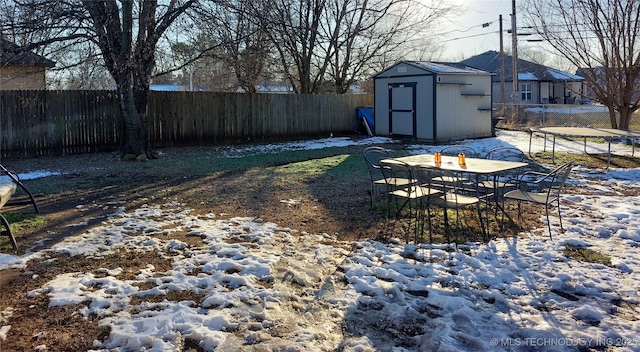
(432, 101)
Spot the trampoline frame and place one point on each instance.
(607, 134)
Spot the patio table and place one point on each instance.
(475, 166)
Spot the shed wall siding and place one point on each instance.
(449, 111)
(461, 109)
(425, 107)
(381, 110)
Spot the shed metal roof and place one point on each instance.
(438, 68)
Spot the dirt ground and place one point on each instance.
(93, 181)
(94, 186)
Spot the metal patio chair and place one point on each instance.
(405, 194)
(453, 197)
(372, 156)
(542, 189)
(497, 185)
(462, 180)
(455, 149)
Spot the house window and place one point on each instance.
(525, 91)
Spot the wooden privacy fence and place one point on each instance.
(34, 123)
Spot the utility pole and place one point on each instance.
(501, 67)
(514, 50)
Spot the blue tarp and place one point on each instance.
(365, 114)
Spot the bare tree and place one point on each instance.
(80, 67)
(131, 58)
(601, 37)
(355, 35)
(361, 34)
(127, 33)
(323, 43)
(294, 30)
(239, 29)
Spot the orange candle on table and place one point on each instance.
(461, 159)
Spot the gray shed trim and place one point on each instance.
(430, 68)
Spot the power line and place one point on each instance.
(470, 36)
(483, 25)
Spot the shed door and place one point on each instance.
(402, 109)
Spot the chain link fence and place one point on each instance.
(524, 116)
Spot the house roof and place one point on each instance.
(13, 55)
(527, 70)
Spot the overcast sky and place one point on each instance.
(465, 35)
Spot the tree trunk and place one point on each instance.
(625, 117)
(134, 75)
(135, 134)
(612, 117)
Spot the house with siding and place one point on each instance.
(537, 84)
(20, 69)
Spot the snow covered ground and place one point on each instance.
(261, 287)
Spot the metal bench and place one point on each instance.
(7, 188)
(9, 183)
(16, 180)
